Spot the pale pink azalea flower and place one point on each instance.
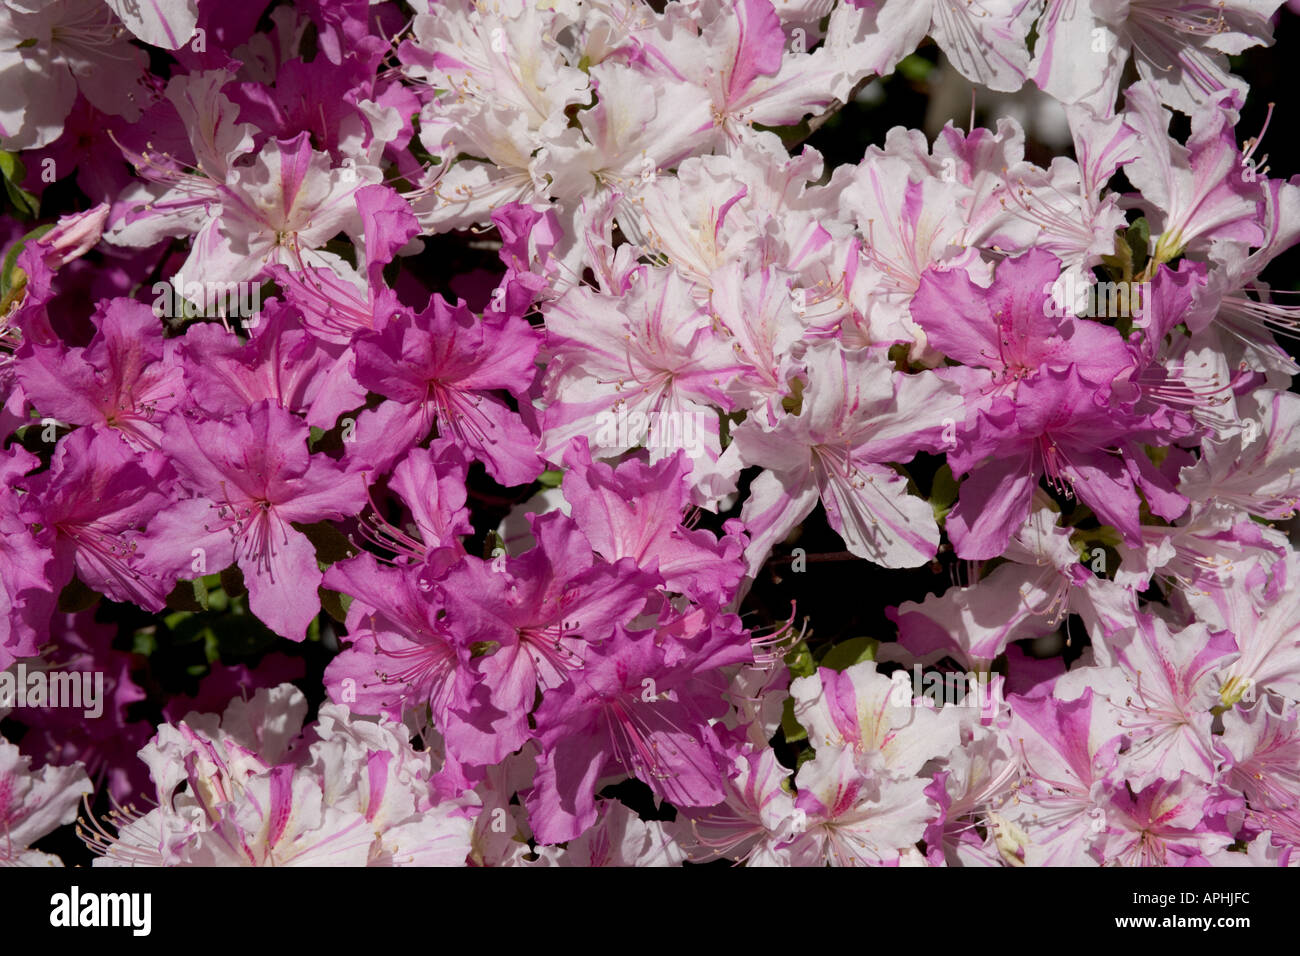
(1260, 752)
(1169, 823)
(1068, 751)
(852, 819)
(350, 793)
(34, 803)
(1199, 191)
(164, 23)
(1180, 47)
(1029, 596)
(986, 42)
(908, 223)
(620, 838)
(1258, 468)
(857, 414)
(754, 823)
(277, 207)
(889, 734)
(973, 789)
(651, 359)
(1262, 609)
(51, 50)
(1162, 685)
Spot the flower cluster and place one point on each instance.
(458, 372)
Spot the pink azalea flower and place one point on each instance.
(638, 511)
(403, 657)
(96, 497)
(127, 378)
(106, 744)
(27, 593)
(431, 483)
(1046, 403)
(443, 367)
(540, 611)
(251, 478)
(281, 361)
(637, 707)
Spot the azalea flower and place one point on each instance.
(248, 479)
(51, 51)
(857, 415)
(34, 804)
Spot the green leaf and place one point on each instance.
(174, 620)
(15, 282)
(14, 172)
(240, 635)
(915, 69)
(791, 729)
(550, 478)
(800, 661)
(793, 403)
(11, 276)
(843, 656)
(24, 202)
(184, 598)
(943, 492)
(1120, 265)
(11, 167)
(201, 593)
(1138, 238)
(330, 543)
(218, 599)
(211, 647)
(335, 604)
(144, 642)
